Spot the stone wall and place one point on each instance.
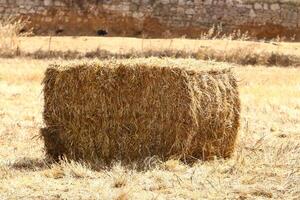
(155, 18)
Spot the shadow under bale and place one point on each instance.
(53, 145)
(27, 163)
(132, 109)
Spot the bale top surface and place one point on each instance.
(189, 65)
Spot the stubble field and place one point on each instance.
(266, 163)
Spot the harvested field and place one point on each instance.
(265, 164)
(125, 45)
(130, 110)
(225, 50)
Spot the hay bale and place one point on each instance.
(132, 109)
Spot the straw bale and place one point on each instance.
(132, 109)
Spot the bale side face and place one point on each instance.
(131, 113)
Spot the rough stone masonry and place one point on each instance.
(156, 18)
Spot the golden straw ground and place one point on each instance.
(266, 162)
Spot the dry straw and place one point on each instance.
(132, 109)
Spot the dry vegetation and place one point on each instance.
(9, 36)
(265, 165)
(223, 50)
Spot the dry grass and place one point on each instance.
(126, 45)
(224, 50)
(242, 56)
(266, 164)
(10, 29)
